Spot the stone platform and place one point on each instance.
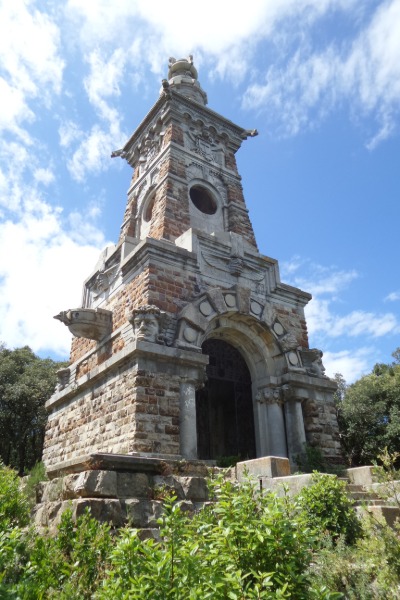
(121, 489)
(130, 489)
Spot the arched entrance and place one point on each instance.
(224, 408)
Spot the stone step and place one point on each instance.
(381, 512)
(371, 502)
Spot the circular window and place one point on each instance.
(203, 200)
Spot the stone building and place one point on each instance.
(187, 344)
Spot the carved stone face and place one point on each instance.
(318, 367)
(146, 327)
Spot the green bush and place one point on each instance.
(35, 476)
(14, 507)
(367, 570)
(244, 545)
(327, 508)
(69, 565)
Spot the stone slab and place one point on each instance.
(390, 514)
(131, 463)
(109, 462)
(291, 485)
(267, 466)
(361, 475)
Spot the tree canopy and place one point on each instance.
(26, 382)
(369, 413)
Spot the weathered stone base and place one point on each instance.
(121, 490)
(130, 490)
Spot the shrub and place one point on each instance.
(14, 507)
(367, 570)
(244, 545)
(326, 507)
(36, 475)
(69, 565)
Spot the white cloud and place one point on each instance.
(328, 285)
(322, 319)
(393, 297)
(351, 364)
(94, 151)
(44, 176)
(69, 132)
(30, 65)
(105, 76)
(326, 281)
(165, 28)
(366, 73)
(46, 266)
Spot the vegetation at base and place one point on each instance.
(26, 382)
(328, 510)
(244, 545)
(369, 413)
(228, 461)
(35, 476)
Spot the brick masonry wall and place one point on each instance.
(293, 320)
(132, 295)
(173, 133)
(171, 216)
(161, 285)
(128, 226)
(238, 218)
(130, 410)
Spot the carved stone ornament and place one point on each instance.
(269, 396)
(182, 76)
(63, 376)
(235, 265)
(289, 342)
(312, 360)
(90, 323)
(104, 279)
(149, 324)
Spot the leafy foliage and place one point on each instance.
(26, 382)
(244, 545)
(328, 509)
(14, 507)
(367, 570)
(369, 414)
(35, 476)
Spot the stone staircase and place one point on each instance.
(370, 496)
(380, 500)
(360, 495)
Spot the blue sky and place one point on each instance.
(319, 79)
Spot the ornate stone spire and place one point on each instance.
(182, 77)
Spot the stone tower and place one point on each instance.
(187, 344)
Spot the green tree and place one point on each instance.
(26, 382)
(369, 414)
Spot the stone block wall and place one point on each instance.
(129, 410)
(320, 423)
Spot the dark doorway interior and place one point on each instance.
(224, 408)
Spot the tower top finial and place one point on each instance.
(183, 78)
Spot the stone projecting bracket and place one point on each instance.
(90, 323)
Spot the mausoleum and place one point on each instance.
(187, 344)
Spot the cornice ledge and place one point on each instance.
(151, 247)
(131, 350)
(293, 294)
(310, 383)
